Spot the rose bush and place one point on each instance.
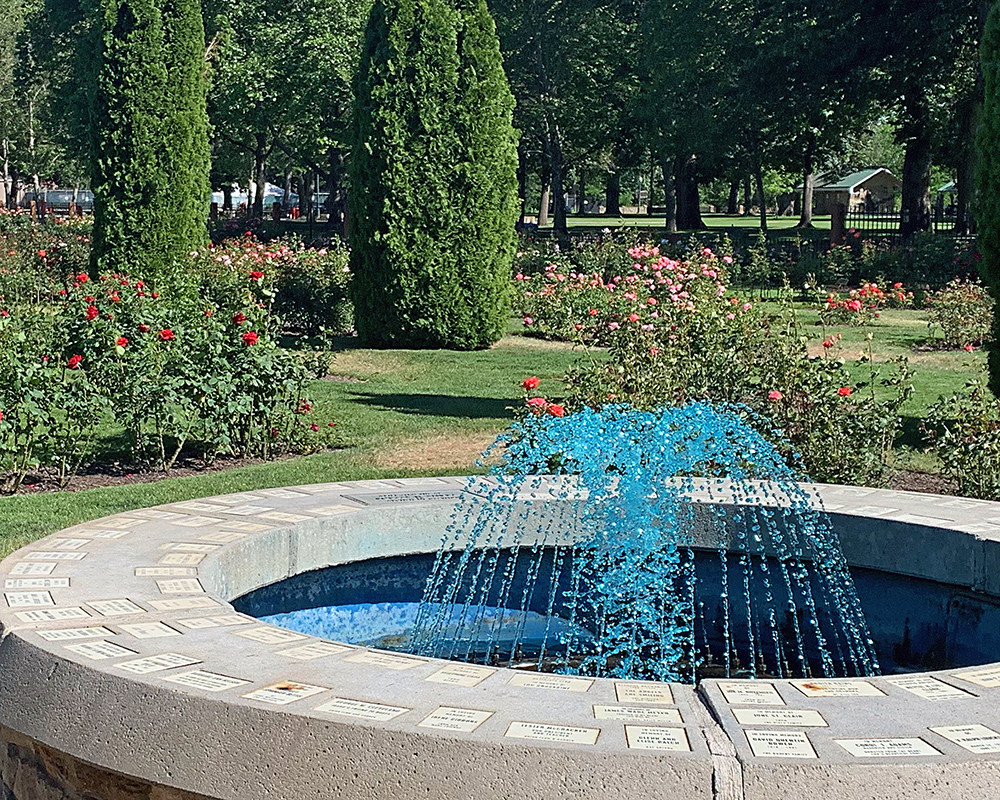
(676, 333)
(963, 311)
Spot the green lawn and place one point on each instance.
(713, 221)
(407, 412)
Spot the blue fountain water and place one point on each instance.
(609, 548)
(670, 544)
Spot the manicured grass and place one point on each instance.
(656, 222)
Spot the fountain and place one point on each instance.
(505, 661)
(602, 577)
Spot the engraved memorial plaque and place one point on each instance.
(460, 720)
(927, 687)
(96, 651)
(639, 714)
(189, 559)
(36, 583)
(68, 544)
(65, 634)
(32, 568)
(247, 510)
(279, 516)
(780, 744)
(108, 534)
(887, 748)
(643, 737)
(837, 688)
(988, 678)
(181, 603)
(643, 692)
(268, 635)
(283, 693)
(308, 652)
(190, 547)
(974, 738)
(386, 660)
(804, 718)
(28, 599)
(150, 630)
(144, 666)
(538, 680)
(196, 522)
(358, 709)
(552, 733)
(57, 555)
(222, 537)
(52, 614)
(461, 674)
(115, 608)
(208, 681)
(750, 693)
(199, 506)
(164, 572)
(179, 586)
(220, 621)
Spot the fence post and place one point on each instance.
(837, 231)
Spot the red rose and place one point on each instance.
(83, 277)
(556, 410)
(208, 312)
(256, 275)
(250, 338)
(41, 254)
(121, 341)
(536, 404)
(530, 383)
(844, 391)
(314, 428)
(92, 313)
(239, 318)
(144, 329)
(74, 361)
(166, 335)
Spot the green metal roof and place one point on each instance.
(848, 183)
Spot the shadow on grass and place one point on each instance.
(438, 405)
(910, 434)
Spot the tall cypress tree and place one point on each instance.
(988, 203)
(187, 148)
(433, 178)
(149, 134)
(129, 175)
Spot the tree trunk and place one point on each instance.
(227, 199)
(581, 193)
(286, 197)
(808, 183)
(733, 204)
(522, 182)
(758, 174)
(558, 190)
(337, 199)
(686, 192)
(669, 196)
(649, 197)
(259, 175)
(543, 204)
(916, 215)
(747, 196)
(613, 194)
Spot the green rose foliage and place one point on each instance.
(675, 333)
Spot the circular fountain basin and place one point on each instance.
(127, 672)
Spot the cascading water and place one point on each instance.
(601, 570)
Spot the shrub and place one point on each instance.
(963, 431)
(863, 305)
(433, 184)
(963, 310)
(697, 341)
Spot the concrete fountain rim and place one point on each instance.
(152, 586)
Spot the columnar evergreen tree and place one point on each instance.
(433, 178)
(988, 205)
(149, 137)
(187, 148)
